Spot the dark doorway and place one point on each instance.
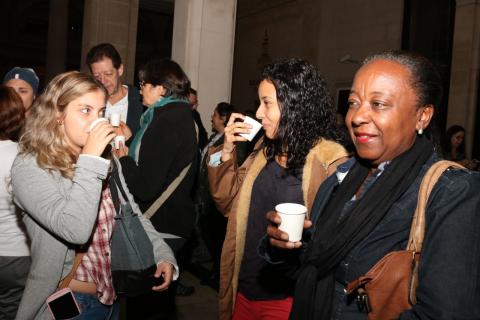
(428, 29)
(476, 133)
(24, 32)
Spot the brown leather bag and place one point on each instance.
(389, 287)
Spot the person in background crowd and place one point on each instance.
(298, 152)
(162, 148)
(14, 246)
(365, 211)
(25, 82)
(211, 223)
(58, 179)
(106, 66)
(454, 147)
(202, 133)
(454, 144)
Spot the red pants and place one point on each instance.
(261, 310)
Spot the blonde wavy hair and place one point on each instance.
(43, 136)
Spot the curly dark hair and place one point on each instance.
(12, 114)
(306, 111)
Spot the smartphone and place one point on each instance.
(62, 305)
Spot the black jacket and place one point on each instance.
(168, 146)
(135, 109)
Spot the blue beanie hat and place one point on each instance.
(26, 74)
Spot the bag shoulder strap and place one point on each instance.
(167, 193)
(76, 263)
(417, 230)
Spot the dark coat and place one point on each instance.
(168, 146)
(135, 109)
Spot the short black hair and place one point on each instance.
(225, 109)
(167, 73)
(425, 79)
(102, 51)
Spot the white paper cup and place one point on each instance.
(293, 216)
(115, 119)
(117, 141)
(254, 130)
(95, 122)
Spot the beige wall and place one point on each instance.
(113, 21)
(203, 40)
(464, 80)
(319, 31)
(364, 28)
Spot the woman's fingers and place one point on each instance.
(235, 116)
(279, 238)
(99, 137)
(165, 270)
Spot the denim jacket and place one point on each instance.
(449, 271)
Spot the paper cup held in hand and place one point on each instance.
(117, 141)
(293, 216)
(115, 119)
(95, 122)
(254, 130)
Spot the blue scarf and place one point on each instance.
(145, 121)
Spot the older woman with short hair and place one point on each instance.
(365, 210)
(163, 147)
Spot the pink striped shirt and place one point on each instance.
(95, 265)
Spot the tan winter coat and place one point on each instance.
(231, 189)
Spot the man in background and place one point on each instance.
(106, 66)
(202, 133)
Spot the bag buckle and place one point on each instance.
(363, 304)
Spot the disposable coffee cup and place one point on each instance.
(95, 122)
(254, 130)
(293, 216)
(117, 141)
(115, 119)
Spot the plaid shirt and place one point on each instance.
(95, 265)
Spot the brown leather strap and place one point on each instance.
(66, 281)
(417, 230)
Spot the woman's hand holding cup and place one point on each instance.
(232, 131)
(279, 238)
(101, 133)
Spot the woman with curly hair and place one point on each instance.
(59, 179)
(299, 151)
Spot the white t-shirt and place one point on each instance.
(120, 106)
(13, 239)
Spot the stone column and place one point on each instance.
(57, 39)
(465, 68)
(203, 43)
(113, 21)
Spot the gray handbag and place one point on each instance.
(132, 261)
